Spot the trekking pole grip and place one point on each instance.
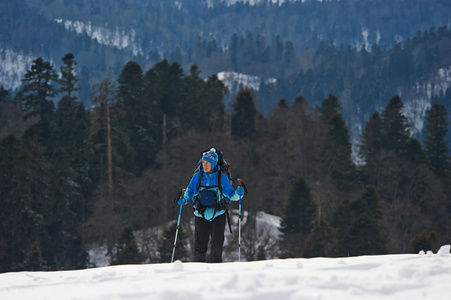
(242, 184)
(182, 193)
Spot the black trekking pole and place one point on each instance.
(177, 230)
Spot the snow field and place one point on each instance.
(406, 276)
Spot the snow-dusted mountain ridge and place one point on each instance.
(272, 39)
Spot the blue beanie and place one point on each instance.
(211, 157)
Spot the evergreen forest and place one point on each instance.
(73, 176)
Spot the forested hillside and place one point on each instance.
(356, 50)
(73, 177)
(346, 138)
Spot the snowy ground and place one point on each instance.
(410, 276)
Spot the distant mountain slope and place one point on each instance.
(267, 40)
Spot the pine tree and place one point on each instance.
(60, 237)
(39, 90)
(300, 209)
(5, 96)
(69, 78)
(330, 106)
(395, 128)
(423, 241)
(338, 130)
(369, 151)
(359, 225)
(296, 223)
(127, 249)
(243, 115)
(282, 103)
(164, 87)
(71, 123)
(138, 121)
(166, 244)
(14, 229)
(335, 153)
(191, 106)
(320, 242)
(370, 141)
(213, 94)
(202, 105)
(436, 145)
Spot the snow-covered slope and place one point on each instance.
(413, 276)
(14, 65)
(421, 97)
(117, 38)
(256, 2)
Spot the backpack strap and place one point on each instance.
(225, 205)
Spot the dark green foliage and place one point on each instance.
(138, 119)
(37, 99)
(11, 115)
(297, 221)
(39, 90)
(53, 189)
(4, 95)
(394, 127)
(282, 103)
(338, 131)
(71, 129)
(359, 225)
(370, 141)
(166, 244)
(164, 86)
(300, 209)
(38, 196)
(335, 153)
(71, 121)
(320, 242)
(68, 79)
(330, 106)
(202, 106)
(423, 241)
(243, 115)
(436, 144)
(127, 249)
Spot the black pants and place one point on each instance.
(204, 230)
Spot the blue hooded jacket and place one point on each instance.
(209, 179)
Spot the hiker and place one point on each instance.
(211, 191)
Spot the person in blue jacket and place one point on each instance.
(209, 199)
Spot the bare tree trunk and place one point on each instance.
(110, 159)
(111, 239)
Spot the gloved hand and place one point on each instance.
(183, 201)
(240, 191)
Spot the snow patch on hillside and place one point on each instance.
(117, 37)
(420, 97)
(14, 65)
(211, 3)
(234, 80)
